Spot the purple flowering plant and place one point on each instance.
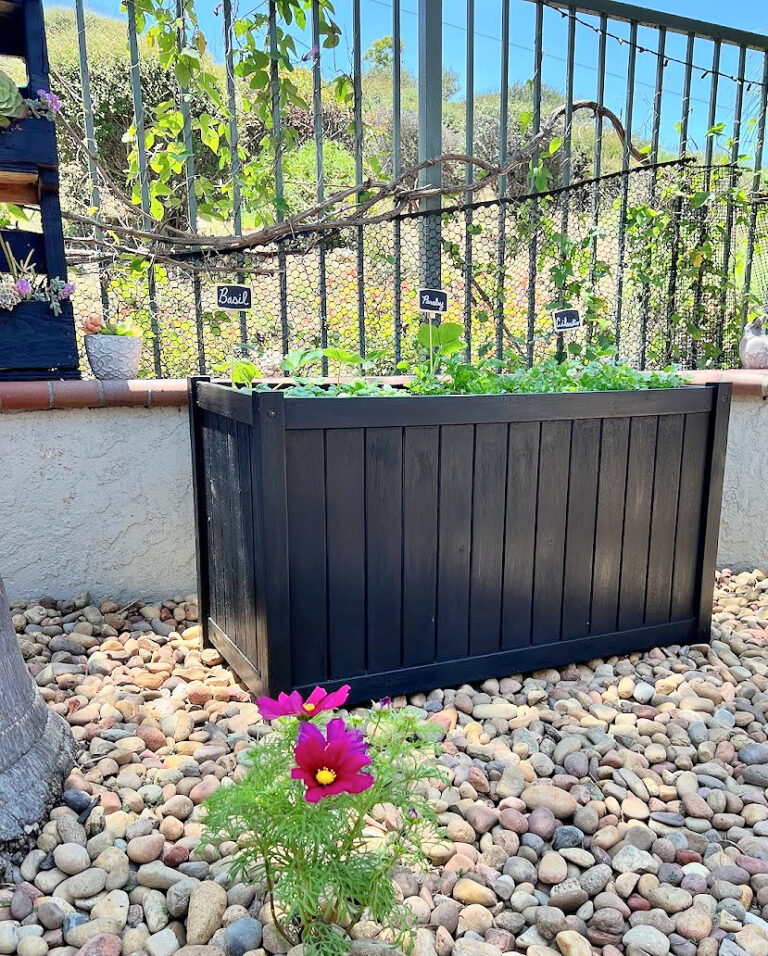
(326, 805)
(22, 283)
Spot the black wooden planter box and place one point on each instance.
(400, 544)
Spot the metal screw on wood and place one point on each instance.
(271, 413)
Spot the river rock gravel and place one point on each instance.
(617, 806)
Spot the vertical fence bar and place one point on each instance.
(645, 300)
(90, 144)
(678, 204)
(189, 177)
(469, 145)
(317, 118)
(533, 243)
(234, 139)
(430, 135)
(397, 167)
(702, 212)
(277, 138)
(625, 178)
(712, 114)
(686, 101)
(141, 152)
(502, 240)
(567, 136)
(756, 177)
(357, 82)
(597, 161)
(733, 179)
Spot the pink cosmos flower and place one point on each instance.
(294, 705)
(331, 764)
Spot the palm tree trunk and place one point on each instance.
(37, 749)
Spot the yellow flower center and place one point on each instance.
(325, 776)
(308, 707)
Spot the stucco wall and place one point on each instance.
(102, 499)
(98, 499)
(744, 525)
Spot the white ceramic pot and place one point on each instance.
(753, 347)
(113, 356)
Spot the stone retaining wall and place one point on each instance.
(96, 486)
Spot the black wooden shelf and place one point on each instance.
(34, 343)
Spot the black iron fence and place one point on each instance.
(664, 282)
(683, 87)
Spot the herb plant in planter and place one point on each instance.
(113, 348)
(480, 519)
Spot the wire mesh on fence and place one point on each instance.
(653, 255)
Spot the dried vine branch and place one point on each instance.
(353, 206)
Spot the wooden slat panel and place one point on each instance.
(661, 555)
(345, 533)
(215, 490)
(246, 547)
(411, 679)
(637, 521)
(520, 533)
(610, 520)
(456, 453)
(689, 515)
(488, 513)
(384, 522)
(226, 401)
(305, 479)
(421, 465)
(228, 527)
(580, 535)
(554, 457)
(483, 409)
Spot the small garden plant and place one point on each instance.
(444, 371)
(304, 817)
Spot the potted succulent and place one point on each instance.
(113, 348)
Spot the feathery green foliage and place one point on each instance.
(320, 863)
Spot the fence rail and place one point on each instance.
(731, 70)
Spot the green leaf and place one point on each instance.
(343, 356)
(554, 144)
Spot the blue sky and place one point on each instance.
(377, 21)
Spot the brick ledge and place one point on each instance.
(172, 393)
(745, 381)
(136, 393)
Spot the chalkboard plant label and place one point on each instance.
(433, 300)
(566, 319)
(236, 297)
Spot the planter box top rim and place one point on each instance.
(280, 386)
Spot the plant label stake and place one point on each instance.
(566, 319)
(433, 300)
(235, 297)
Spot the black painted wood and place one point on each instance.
(609, 528)
(421, 477)
(345, 531)
(384, 530)
(580, 529)
(397, 557)
(455, 540)
(554, 466)
(307, 569)
(34, 343)
(520, 533)
(487, 557)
